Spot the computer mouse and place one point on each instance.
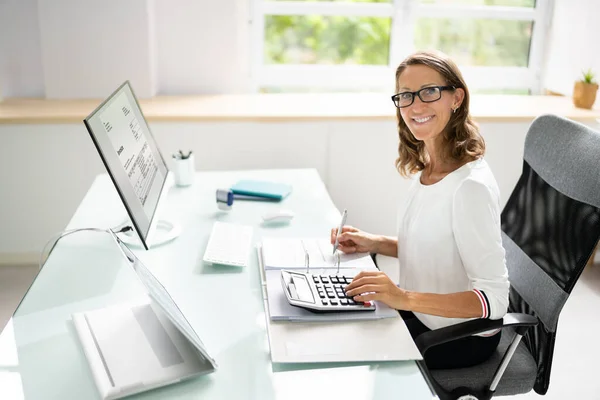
(278, 216)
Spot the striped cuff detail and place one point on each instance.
(485, 303)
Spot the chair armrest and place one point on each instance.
(468, 328)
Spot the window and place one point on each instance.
(305, 45)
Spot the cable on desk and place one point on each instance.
(55, 238)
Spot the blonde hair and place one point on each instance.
(462, 140)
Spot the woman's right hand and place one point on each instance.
(353, 240)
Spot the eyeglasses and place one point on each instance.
(427, 95)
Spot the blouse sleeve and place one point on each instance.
(476, 227)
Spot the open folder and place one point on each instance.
(384, 339)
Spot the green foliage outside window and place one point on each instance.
(504, 3)
(339, 1)
(479, 42)
(316, 39)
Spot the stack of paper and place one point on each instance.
(290, 253)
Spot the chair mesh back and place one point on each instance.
(551, 224)
(557, 232)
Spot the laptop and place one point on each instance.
(132, 348)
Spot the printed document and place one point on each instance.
(290, 253)
(131, 146)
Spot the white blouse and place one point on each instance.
(449, 241)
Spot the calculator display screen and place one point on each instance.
(303, 289)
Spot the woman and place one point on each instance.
(452, 265)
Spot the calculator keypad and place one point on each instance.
(328, 292)
(331, 290)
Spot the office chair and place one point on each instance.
(550, 227)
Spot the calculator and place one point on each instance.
(320, 293)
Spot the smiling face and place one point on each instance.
(427, 120)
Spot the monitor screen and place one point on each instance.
(131, 157)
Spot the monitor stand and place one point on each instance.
(165, 232)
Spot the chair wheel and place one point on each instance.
(463, 393)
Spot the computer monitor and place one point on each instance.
(134, 162)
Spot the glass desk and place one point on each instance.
(40, 355)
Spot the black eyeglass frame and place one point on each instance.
(418, 93)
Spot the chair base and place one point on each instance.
(463, 393)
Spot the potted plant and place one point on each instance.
(584, 93)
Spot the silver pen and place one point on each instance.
(306, 261)
(339, 231)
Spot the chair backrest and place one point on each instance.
(550, 227)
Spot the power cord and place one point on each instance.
(55, 238)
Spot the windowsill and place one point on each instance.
(287, 107)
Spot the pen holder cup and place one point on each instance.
(184, 170)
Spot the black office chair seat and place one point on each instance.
(521, 372)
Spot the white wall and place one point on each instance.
(86, 48)
(56, 48)
(40, 193)
(44, 173)
(45, 170)
(573, 44)
(21, 73)
(90, 47)
(202, 46)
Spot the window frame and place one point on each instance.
(403, 14)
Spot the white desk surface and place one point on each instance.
(40, 357)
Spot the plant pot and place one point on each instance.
(184, 171)
(584, 94)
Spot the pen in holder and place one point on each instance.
(183, 168)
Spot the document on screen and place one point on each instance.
(131, 146)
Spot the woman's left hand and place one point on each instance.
(376, 285)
